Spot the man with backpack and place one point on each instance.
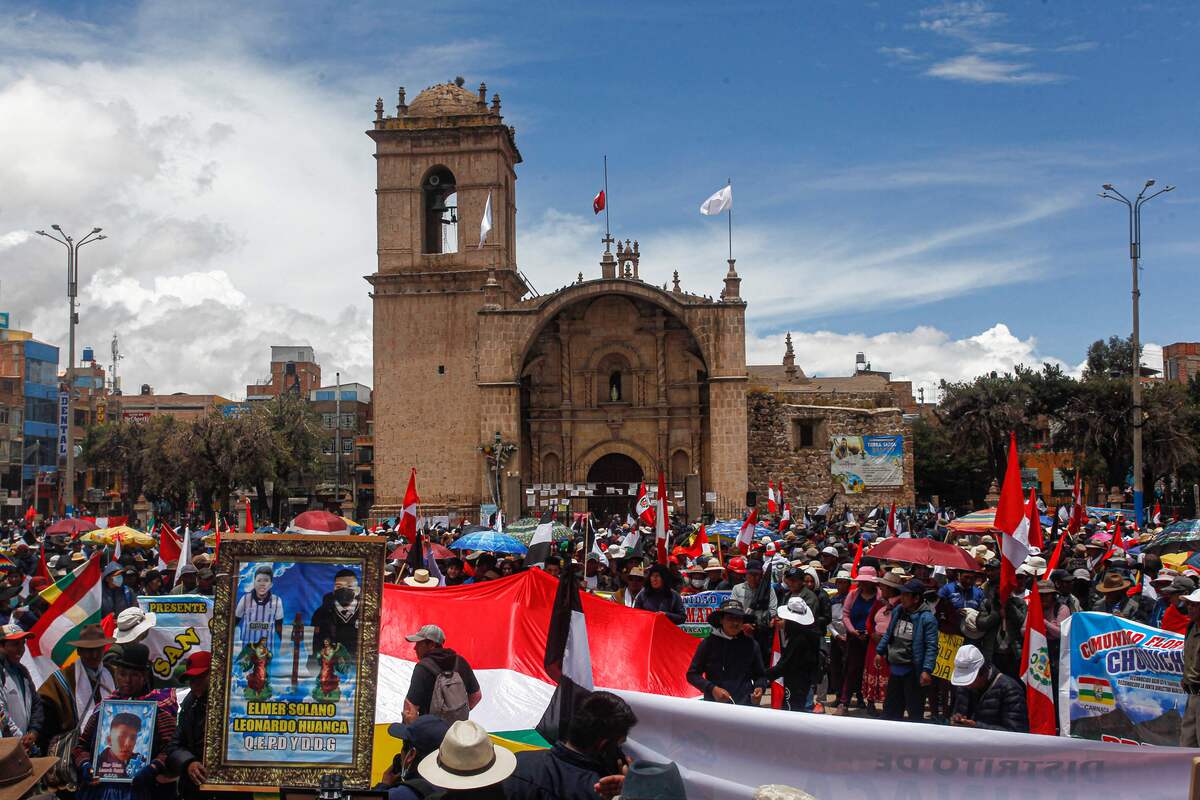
(443, 683)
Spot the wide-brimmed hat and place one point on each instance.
(969, 627)
(615, 551)
(1180, 584)
(91, 636)
(1113, 582)
(729, 607)
(1164, 576)
(134, 655)
(647, 780)
(421, 579)
(132, 623)
(843, 575)
(467, 759)
(1046, 587)
(797, 611)
(893, 580)
(19, 772)
(714, 566)
(967, 663)
(867, 575)
(636, 572)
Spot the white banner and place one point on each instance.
(726, 751)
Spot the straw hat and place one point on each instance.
(467, 759)
(421, 579)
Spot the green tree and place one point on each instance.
(955, 471)
(1110, 359)
(982, 412)
(293, 428)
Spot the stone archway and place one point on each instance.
(615, 471)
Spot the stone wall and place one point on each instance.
(804, 472)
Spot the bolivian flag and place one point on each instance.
(1096, 690)
(74, 601)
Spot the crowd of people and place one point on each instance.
(854, 634)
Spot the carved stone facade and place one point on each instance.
(606, 380)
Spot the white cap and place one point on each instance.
(967, 663)
(830, 551)
(1194, 597)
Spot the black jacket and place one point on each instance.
(999, 707)
(188, 743)
(553, 774)
(668, 602)
(736, 665)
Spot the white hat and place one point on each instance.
(764, 539)
(797, 610)
(967, 663)
(830, 551)
(843, 575)
(616, 551)
(132, 623)
(1164, 576)
(969, 628)
(1194, 597)
(422, 580)
(467, 759)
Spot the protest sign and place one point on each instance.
(180, 628)
(948, 644)
(858, 462)
(1120, 681)
(697, 607)
(295, 655)
(124, 739)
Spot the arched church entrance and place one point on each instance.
(613, 474)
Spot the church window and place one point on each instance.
(614, 386)
(804, 434)
(439, 199)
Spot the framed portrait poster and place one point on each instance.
(295, 638)
(124, 738)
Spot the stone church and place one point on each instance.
(584, 392)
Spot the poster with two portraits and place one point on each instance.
(295, 652)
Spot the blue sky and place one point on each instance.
(914, 179)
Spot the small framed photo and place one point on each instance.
(124, 738)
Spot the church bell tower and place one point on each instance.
(444, 163)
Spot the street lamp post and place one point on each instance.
(72, 246)
(1135, 253)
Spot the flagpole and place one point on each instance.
(607, 232)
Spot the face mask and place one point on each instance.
(698, 582)
(118, 580)
(343, 596)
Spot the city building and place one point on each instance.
(146, 404)
(495, 393)
(33, 367)
(294, 368)
(342, 422)
(1181, 361)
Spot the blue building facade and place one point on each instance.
(41, 409)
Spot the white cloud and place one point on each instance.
(973, 68)
(924, 355)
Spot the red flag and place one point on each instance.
(1035, 672)
(697, 547)
(1012, 523)
(408, 514)
(746, 534)
(1052, 564)
(168, 546)
(644, 508)
(660, 519)
(1118, 540)
(777, 687)
(772, 507)
(30, 514)
(1078, 511)
(892, 530)
(1157, 519)
(1035, 521)
(598, 203)
(43, 571)
(786, 519)
(249, 518)
(857, 558)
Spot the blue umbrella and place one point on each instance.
(490, 541)
(267, 529)
(730, 528)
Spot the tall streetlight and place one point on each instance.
(72, 294)
(1135, 254)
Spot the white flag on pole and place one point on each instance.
(485, 224)
(720, 202)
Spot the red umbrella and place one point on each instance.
(439, 552)
(71, 527)
(319, 522)
(924, 551)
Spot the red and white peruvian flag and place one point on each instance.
(1078, 510)
(1035, 521)
(772, 506)
(408, 514)
(1035, 672)
(1157, 514)
(645, 509)
(746, 535)
(168, 545)
(1012, 523)
(778, 690)
(786, 519)
(660, 519)
(893, 529)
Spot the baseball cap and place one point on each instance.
(830, 551)
(424, 734)
(428, 633)
(197, 664)
(967, 663)
(1194, 597)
